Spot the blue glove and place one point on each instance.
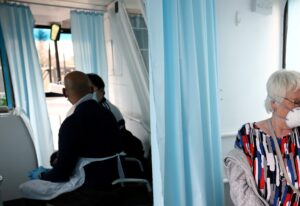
(36, 173)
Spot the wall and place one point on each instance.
(249, 50)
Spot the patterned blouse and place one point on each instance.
(261, 154)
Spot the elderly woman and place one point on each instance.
(264, 167)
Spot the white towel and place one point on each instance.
(46, 190)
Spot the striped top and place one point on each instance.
(261, 154)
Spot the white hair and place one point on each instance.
(279, 83)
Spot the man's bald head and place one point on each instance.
(77, 85)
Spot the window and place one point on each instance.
(54, 67)
(141, 33)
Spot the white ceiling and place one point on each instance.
(47, 12)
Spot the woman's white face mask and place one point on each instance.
(292, 118)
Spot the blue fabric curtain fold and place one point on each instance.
(184, 104)
(89, 43)
(17, 25)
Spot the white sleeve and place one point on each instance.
(116, 112)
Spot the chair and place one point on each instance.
(134, 172)
(135, 189)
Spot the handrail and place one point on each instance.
(228, 134)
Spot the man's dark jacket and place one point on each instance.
(91, 131)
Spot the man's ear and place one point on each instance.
(102, 90)
(64, 92)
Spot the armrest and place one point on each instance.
(133, 159)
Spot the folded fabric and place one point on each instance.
(46, 190)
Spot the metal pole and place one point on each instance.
(49, 57)
(64, 64)
(57, 62)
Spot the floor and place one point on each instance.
(126, 197)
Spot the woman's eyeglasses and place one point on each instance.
(295, 102)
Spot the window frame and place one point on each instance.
(8, 88)
(285, 31)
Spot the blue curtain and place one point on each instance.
(17, 25)
(88, 43)
(184, 103)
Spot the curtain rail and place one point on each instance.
(61, 4)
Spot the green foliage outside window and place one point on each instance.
(3, 100)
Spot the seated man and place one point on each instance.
(89, 132)
(132, 145)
